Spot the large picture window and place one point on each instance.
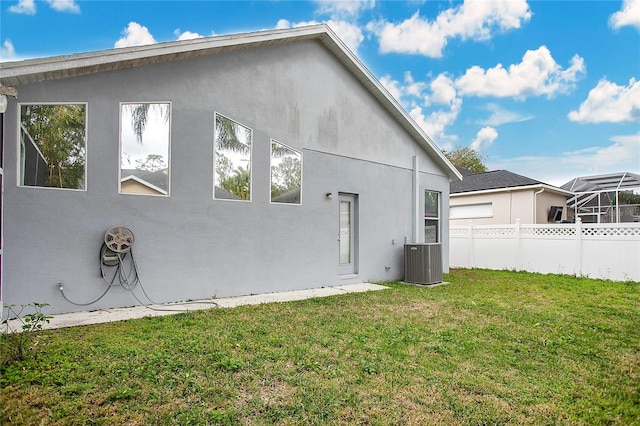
(232, 160)
(145, 136)
(286, 174)
(431, 217)
(53, 145)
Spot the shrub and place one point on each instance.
(17, 340)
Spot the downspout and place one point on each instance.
(535, 205)
(416, 201)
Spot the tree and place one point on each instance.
(239, 183)
(232, 147)
(152, 163)
(59, 133)
(223, 166)
(285, 176)
(466, 158)
(627, 197)
(140, 116)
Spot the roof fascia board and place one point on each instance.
(393, 106)
(105, 57)
(38, 68)
(512, 189)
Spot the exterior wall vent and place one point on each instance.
(423, 263)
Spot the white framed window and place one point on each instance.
(145, 147)
(232, 147)
(471, 211)
(53, 145)
(286, 174)
(431, 217)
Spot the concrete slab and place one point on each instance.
(119, 314)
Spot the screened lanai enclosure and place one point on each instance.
(610, 198)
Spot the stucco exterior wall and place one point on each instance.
(510, 205)
(188, 245)
(544, 201)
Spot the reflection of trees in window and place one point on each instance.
(145, 137)
(286, 174)
(140, 116)
(58, 133)
(152, 163)
(232, 147)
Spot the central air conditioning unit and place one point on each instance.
(423, 263)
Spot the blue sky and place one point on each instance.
(546, 89)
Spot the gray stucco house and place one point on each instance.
(243, 164)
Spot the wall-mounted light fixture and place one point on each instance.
(329, 195)
(4, 92)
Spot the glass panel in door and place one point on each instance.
(346, 236)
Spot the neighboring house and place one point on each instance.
(284, 165)
(608, 198)
(501, 197)
(136, 181)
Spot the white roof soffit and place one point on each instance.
(34, 70)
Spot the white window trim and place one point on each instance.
(215, 114)
(301, 171)
(163, 193)
(437, 218)
(86, 146)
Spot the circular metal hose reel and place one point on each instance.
(119, 239)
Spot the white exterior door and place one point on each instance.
(347, 234)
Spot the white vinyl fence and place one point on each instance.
(607, 251)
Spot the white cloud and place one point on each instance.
(443, 91)
(187, 35)
(624, 150)
(608, 102)
(28, 7)
(440, 91)
(621, 154)
(392, 86)
(342, 8)
(25, 7)
(7, 51)
(436, 123)
(484, 139)
(538, 74)
(64, 6)
(349, 33)
(628, 15)
(283, 24)
(500, 116)
(135, 35)
(413, 88)
(478, 20)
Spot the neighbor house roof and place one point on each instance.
(156, 180)
(496, 181)
(35, 70)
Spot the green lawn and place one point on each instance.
(493, 347)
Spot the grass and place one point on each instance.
(493, 347)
